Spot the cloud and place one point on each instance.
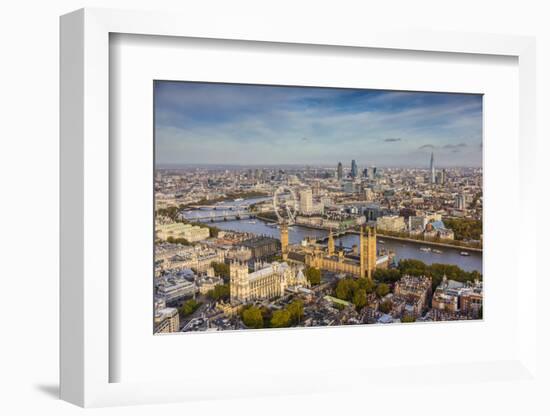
(454, 146)
(217, 123)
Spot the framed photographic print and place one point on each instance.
(259, 225)
(320, 212)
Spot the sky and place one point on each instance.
(235, 124)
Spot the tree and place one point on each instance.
(280, 319)
(220, 292)
(408, 319)
(385, 307)
(170, 212)
(296, 311)
(382, 290)
(313, 275)
(266, 315)
(360, 298)
(412, 267)
(345, 289)
(464, 228)
(221, 269)
(189, 307)
(342, 290)
(387, 275)
(252, 317)
(436, 271)
(213, 231)
(178, 240)
(366, 284)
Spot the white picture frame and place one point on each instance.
(86, 354)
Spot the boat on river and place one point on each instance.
(436, 251)
(464, 253)
(425, 249)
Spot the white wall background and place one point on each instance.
(29, 182)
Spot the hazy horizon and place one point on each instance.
(300, 165)
(256, 125)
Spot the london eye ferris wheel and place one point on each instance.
(285, 204)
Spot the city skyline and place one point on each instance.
(252, 125)
(345, 163)
(298, 207)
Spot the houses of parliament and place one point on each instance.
(271, 280)
(361, 263)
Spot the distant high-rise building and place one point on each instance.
(316, 188)
(365, 173)
(353, 169)
(368, 194)
(432, 169)
(373, 172)
(370, 173)
(340, 171)
(440, 177)
(306, 201)
(460, 202)
(349, 187)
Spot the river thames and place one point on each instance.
(402, 249)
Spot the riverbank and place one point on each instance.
(228, 198)
(403, 249)
(411, 240)
(430, 243)
(265, 219)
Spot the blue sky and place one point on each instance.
(198, 123)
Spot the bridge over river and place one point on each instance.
(241, 220)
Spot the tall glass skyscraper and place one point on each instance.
(432, 169)
(340, 171)
(353, 169)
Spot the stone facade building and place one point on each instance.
(266, 282)
(167, 320)
(339, 263)
(262, 247)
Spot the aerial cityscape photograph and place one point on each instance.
(294, 207)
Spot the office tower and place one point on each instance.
(460, 202)
(365, 173)
(370, 173)
(353, 169)
(440, 177)
(373, 172)
(316, 188)
(368, 194)
(432, 169)
(306, 201)
(340, 171)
